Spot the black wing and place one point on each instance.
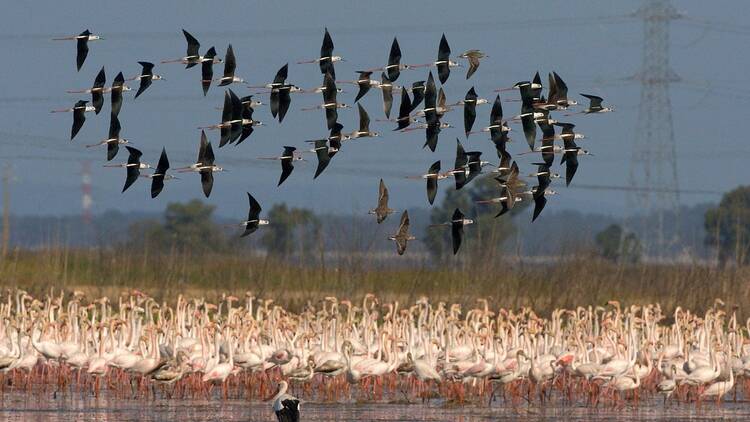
(202, 146)
(571, 166)
(552, 91)
(387, 88)
(226, 116)
(595, 101)
(444, 50)
(97, 97)
(134, 168)
(430, 100)
(562, 89)
(335, 135)
(253, 215)
(290, 411)
(274, 102)
(548, 153)
(79, 117)
(403, 111)
(529, 127)
(321, 150)
(255, 208)
(536, 92)
(457, 230)
(114, 127)
(444, 53)
(460, 164)
(285, 100)
(474, 164)
(192, 46)
(97, 100)
(163, 165)
(432, 181)
(417, 92)
(207, 70)
(235, 129)
(543, 178)
(329, 97)
(567, 128)
(364, 84)
(207, 181)
(82, 49)
(281, 75)
(548, 142)
(470, 110)
(147, 75)
(364, 88)
(548, 131)
(116, 94)
(332, 116)
(112, 149)
(431, 136)
(131, 176)
(527, 98)
(496, 114)
(434, 168)
(119, 81)
(247, 129)
(157, 181)
(145, 83)
(287, 164)
(230, 65)
(101, 79)
(329, 91)
(539, 202)
(394, 61)
(326, 50)
(505, 159)
(157, 184)
(147, 68)
(208, 156)
(364, 119)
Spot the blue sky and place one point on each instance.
(520, 38)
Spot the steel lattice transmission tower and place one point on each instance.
(654, 164)
(86, 200)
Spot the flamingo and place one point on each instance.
(668, 385)
(719, 388)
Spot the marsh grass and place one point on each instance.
(510, 283)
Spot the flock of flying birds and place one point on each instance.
(237, 124)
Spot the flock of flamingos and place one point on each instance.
(337, 350)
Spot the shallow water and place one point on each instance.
(17, 406)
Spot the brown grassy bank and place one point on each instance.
(567, 283)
